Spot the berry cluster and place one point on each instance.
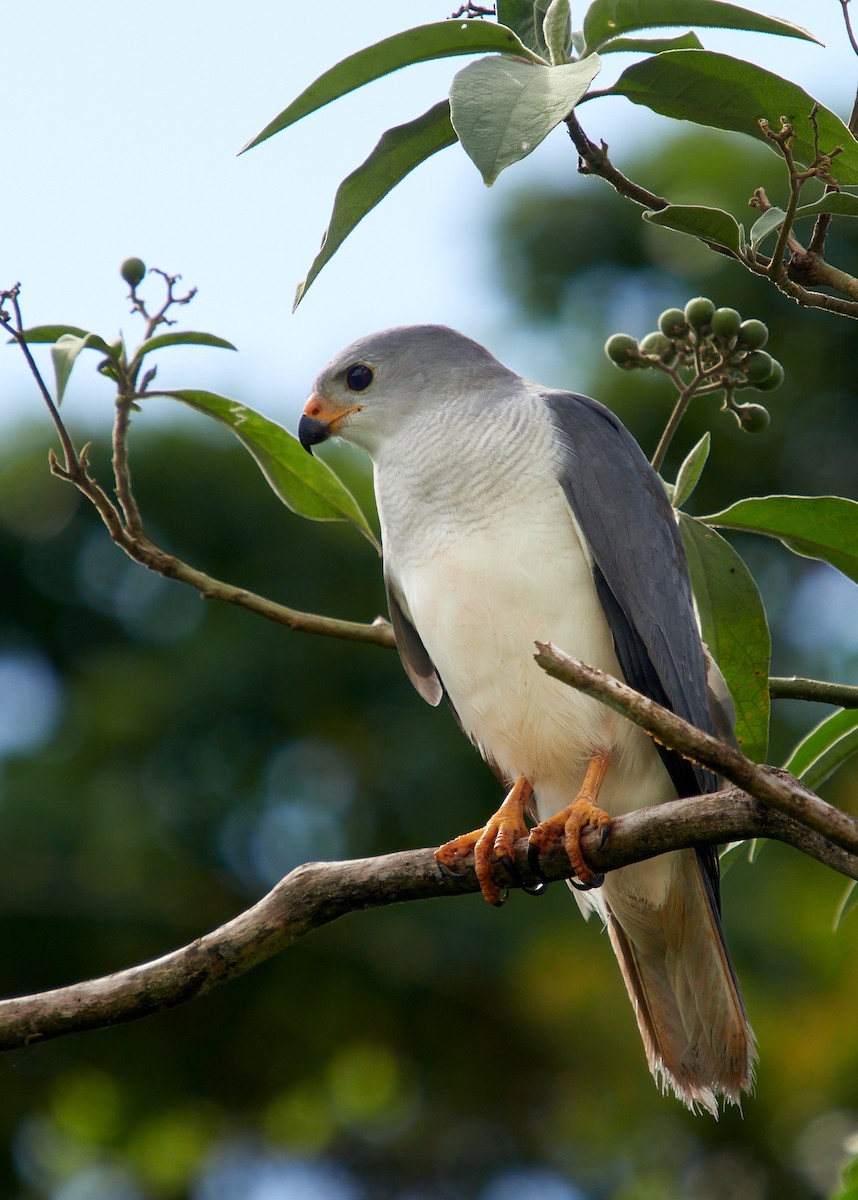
(706, 350)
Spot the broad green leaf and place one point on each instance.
(734, 627)
(399, 151)
(840, 204)
(848, 904)
(502, 108)
(708, 224)
(188, 338)
(771, 220)
(825, 748)
(607, 19)
(64, 352)
(442, 39)
(305, 484)
(727, 93)
(525, 17)
(689, 473)
(52, 333)
(624, 45)
(824, 527)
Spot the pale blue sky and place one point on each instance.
(119, 136)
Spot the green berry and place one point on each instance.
(774, 380)
(699, 312)
(758, 366)
(660, 345)
(726, 323)
(753, 335)
(753, 417)
(623, 350)
(672, 323)
(133, 271)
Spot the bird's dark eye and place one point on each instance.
(359, 377)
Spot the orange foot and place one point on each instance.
(494, 843)
(567, 826)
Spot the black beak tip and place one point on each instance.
(312, 431)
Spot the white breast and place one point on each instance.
(486, 556)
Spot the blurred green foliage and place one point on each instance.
(163, 761)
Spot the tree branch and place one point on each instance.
(774, 787)
(316, 894)
(794, 278)
(124, 523)
(794, 688)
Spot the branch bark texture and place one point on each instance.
(777, 788)
(316, 894)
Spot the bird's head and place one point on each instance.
(366, 393)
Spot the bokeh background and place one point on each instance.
(164, 761)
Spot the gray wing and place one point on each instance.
(415, 657)
(639, 566)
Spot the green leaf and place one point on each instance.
(399, 151)
(708, 224)
(607, 19)
(840, 204)
(727, 856)
(848, 904)
(65, 351)
(557, 31)
(188, 338)
(823, 527)
(848, 1189)
(734, 627)
(825, 748)
(690, 471)
(305, 484)
(771, 220)
(727, 93)
(503, 108)
(624, 45)
(526, 17)
(442, 39)
(52, 333)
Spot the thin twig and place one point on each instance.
(122, 469)
(795, 688)
(593, 160)
(684, 399)
(72, 463)
(844, 5)
(800, 277)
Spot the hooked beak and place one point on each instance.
(317, 425)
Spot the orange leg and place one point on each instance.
(492, 843)
(568, 824)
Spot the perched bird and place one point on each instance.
(511, 513)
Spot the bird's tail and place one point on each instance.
(675, 964)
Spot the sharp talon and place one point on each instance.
(533, 862)
(450, 872)
(502, 899)
(595, 882)
(603, 837)
(535, 889)
(509, 866)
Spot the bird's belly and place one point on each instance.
(479, 603)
